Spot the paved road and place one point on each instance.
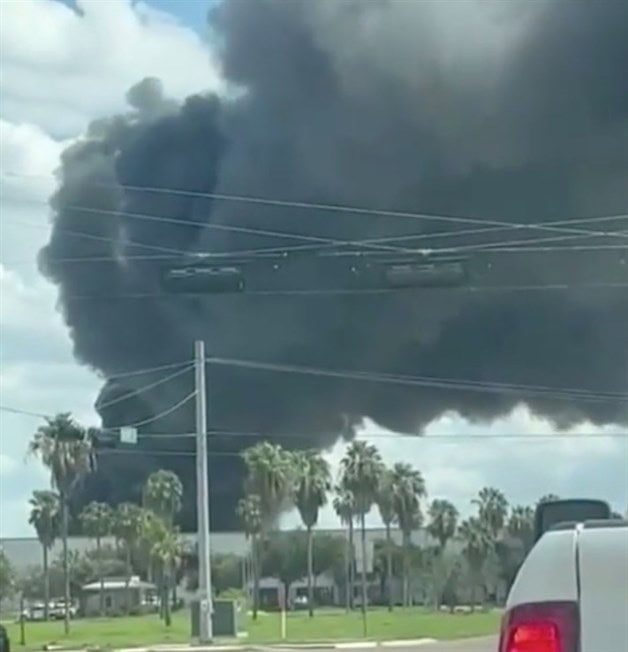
(470, 645)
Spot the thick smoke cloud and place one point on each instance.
(506, 111)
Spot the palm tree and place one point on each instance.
(476, 544)
(443, 522)
(385, 500)
(163, 494)
(96, 521)
(521, 525)
(269, 476)
(65, 448)
(166, 548)
(409, 488)
(362, 468)
(492, 511)
(344, 506)
(250, 514)
(312, 482)
(44, 517)
(127, 527)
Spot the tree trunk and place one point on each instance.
(66, 566)
(363, 548)
(351, 564)
(167, 613)
(101, 577)
(348, 573)
(389, 573)
(46, 583)
(256, 570)
(406, 570)
(127, 587)
(310, 591)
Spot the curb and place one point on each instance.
(286, 647)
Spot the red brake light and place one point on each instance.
(541, 627)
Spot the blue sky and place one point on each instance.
(60, 71)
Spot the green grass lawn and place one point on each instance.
(325, 626)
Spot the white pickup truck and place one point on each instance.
(571, 594)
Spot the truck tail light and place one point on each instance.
(541, 627)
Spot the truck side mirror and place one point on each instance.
(549, 514)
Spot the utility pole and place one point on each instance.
(202, 499)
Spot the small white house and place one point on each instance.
(136, 597)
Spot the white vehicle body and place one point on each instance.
(571, 594)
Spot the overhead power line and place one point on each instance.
(426, 381)
(148, 370)
(145, 388)
(562, 226)
(234, 434)
(108, 429)
(328, 292)
(376, 244)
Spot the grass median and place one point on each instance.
(325, 626)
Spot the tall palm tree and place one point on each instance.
(127, 527)
(250, 514)
(45, 518)
(409, 488)
(492, 511)
(312, 483)
(476, 545)
(443, 522)
(96, 522)
(521, 525)
(270, 475)
(163, 494)
(362, 468)
(344, 506)
(385, 500)
(65, 449)
(166, 549)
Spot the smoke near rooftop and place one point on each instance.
(512, 112)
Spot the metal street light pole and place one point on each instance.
(202, 498)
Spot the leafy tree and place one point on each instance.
(128, 526)
(270, 475)
(96, 522)
(443, 522)
(226, 572)
(163, 494)
(548, 498)
(312, 483)
(409, 488)
(386, 504)
(45, 518)
(476, 545)
(285, 557)
(492, 511)
(362, 467)
(249, 512)
(344, 506)
(65, 449)
(7, 576)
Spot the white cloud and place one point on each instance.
(60, 68)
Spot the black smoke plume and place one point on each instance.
(511, 111)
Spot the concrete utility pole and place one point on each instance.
(202, 499)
